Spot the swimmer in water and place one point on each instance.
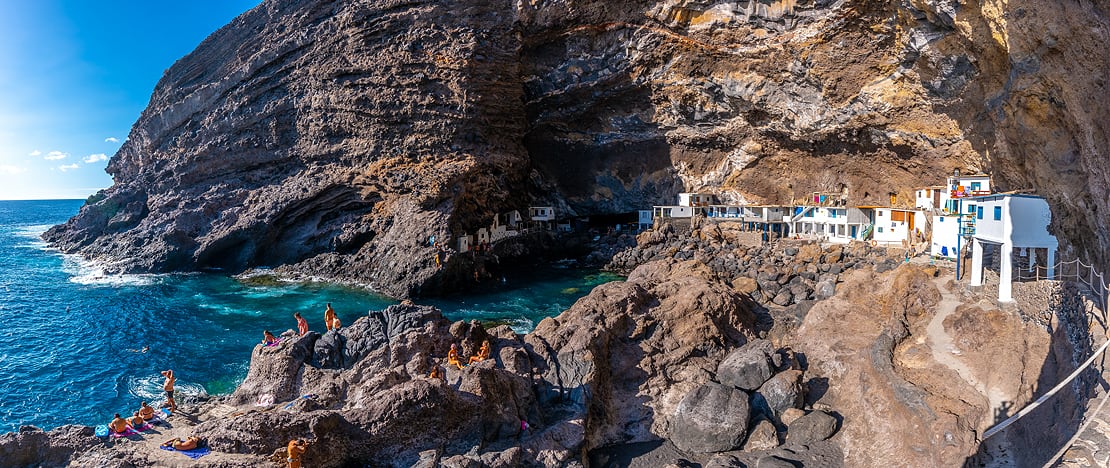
(145, 349)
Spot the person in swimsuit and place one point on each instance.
(296, 450)
(268, 338)
(453, 356)
(136, 421)
(146, 412)
(483, 353)
(187, 443)
(168, 387)
(302, 324)
(118, 425)
(329, 317)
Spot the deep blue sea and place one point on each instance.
(67, 330)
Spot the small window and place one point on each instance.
(998, 213)
(975, 186)
(979, 212)
(971, 208)
(941, 219)
(880, 229)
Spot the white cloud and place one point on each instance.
(12, 170)
(95, 157)
(68, 167)
(35, 153)
(55, 155)
(111, 140)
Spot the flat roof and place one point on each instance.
(1015, 193)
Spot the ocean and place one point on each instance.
(72, 337)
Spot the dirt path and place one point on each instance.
(945, 350)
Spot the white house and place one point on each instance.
(1012, 225)
(895, 225)
(695, 199)
(948, 224)
(838, 225)
(673, 211)
(768, 218)
(963, 186)
(541, 213)
(928, 198)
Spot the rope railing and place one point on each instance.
(1096, 283)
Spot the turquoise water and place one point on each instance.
(66, 329)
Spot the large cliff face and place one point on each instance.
(335, 137)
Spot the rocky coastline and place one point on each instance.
(822, 356)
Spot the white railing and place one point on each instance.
(1079, 272)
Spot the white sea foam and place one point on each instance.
(93, 273)
(34, 235)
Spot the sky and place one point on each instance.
(74, 77)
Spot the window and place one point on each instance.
(979, 212)
(998, 213)
(971, 208)
(880, 229)
(941, 219)
(975, 186)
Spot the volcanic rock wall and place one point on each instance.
(336, 137)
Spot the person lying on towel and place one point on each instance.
(188, 443)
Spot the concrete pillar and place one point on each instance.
(976, 263)
(1006, 274)
(1051, 263)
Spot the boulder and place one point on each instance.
(813, 427)
(779, 393)
(763, 436)
(772, 461)
(783, 298)
(825, 289)
(791, 415)
(747, 367)
(712, 418)
(745, 285)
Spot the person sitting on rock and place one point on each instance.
(118, 425)
(302, 324)
(435, 375)
(453, 356)
(268, 338)
(136, 421)
(329, 318)
(188, 443)
(146, 412)
(483, 353)
(296, 450)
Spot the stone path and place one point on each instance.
(944, 349)
(1092, 448)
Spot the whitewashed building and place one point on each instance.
(541, 213)
(892, 226)
(928, 198)
(1011, 225)
(695, 199)
(963, 186)
(838, 225)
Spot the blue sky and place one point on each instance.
(74, 76)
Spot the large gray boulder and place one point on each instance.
(813, 427)
(747, 367)
(711, 418)
(779, 393)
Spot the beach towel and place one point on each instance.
(145, 427)
(194, 453)
(275, 343)
(128, 433)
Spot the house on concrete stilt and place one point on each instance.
(1012, 229)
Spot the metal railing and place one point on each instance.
(1081, 273)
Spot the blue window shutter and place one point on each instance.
(998, 213)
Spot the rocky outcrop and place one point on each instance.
(334, 138)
